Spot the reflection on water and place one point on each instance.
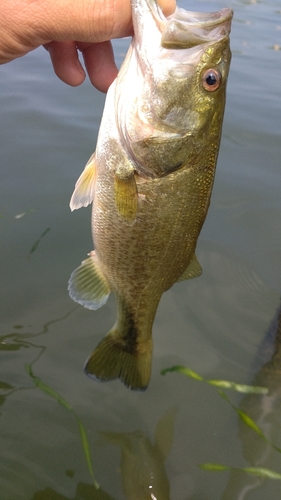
(84, 491)
(142, 462)
(265, 410)
(142, 465)
(16, 341)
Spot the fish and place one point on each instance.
(151, 177)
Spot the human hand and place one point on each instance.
(64, 27)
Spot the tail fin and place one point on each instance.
(111, 359)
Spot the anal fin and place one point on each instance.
(87, 285)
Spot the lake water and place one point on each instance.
(214, 325)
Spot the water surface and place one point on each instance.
(215, 325)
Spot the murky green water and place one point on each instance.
(215, 325)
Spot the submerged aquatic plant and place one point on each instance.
(83, 434)
(261, 472)
(22, 214)
(255, 471)
(246, 419)
(35, 245)
(223, 384)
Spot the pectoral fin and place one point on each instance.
(193, 270)
(84, 191)
(87, 285)
(125, 192)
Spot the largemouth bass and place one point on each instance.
(151, 177)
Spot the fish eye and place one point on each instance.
(211, 79)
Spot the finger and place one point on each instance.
(168, 6)
(100, 64)
(65, 61)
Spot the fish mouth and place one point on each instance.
(160, 119)
(186, 29)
